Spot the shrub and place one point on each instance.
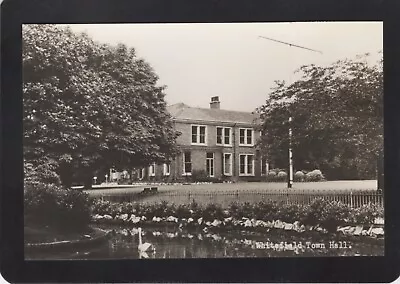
(200, 176)
(43, 173)
(54, 206)
(281, 176)
(299, 176)
(213, 211)
(315, 175)
(327, 214)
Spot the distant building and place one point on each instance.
(219, 143)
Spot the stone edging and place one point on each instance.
(371, 230)
(73, 243)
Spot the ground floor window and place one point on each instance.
(141, 174)
(264, 166)
(246, 164)
(167, 169)
(210, 164)
(227, 164)
(152, 170)
(187, 163)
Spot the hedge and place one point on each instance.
(327, 214)
(54, 206)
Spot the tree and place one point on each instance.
(90, 106)
(337, 119)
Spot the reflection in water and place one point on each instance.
(177, 243)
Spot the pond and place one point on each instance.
(171, 242)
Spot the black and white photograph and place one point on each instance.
(203, 140)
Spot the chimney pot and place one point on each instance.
(215, 103)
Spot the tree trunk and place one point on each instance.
(65, 172)
(88, 180)
(380, 172)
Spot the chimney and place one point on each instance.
(215, 103)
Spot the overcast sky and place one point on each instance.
(197, 61)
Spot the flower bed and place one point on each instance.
(321, 215)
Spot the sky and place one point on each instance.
(230, 60)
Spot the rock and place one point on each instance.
(98, 217)
(216, 223)
(143, 218)
(190, 220)
(343, 229)
(124, 217)
(208, 223)
(270, 224)
(200, 220)
(248, 223)
(108, 217)
(377, 231)
(358, 230)
(288, 226)
(302, 229)
(156, 219)
(134, 219)
(350, 231)
(226, 220)
(279, 224)
(172, 219)
(296, 226)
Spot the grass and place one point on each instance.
(225, 194)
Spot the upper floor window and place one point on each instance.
(224, 135)
(246, 137)
(198, 134)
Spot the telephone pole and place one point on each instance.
(290, 177)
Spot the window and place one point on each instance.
(228, 164)
(246, 137)
(187, 163)
(167, 169)
(264, 166)
(141, 174)
(210, 164)
(224, 135)
(246, 164)
(219, 135)
(152, 170)
(198, 134)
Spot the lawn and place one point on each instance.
(226, 193)
(244, 186)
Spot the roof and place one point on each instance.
(182, 111)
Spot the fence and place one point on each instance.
(352, 198)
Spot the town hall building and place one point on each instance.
(219, 143)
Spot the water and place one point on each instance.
(171, 242)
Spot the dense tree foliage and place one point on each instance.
(337, 121)
(90, 106)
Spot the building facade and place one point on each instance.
(216, 143)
